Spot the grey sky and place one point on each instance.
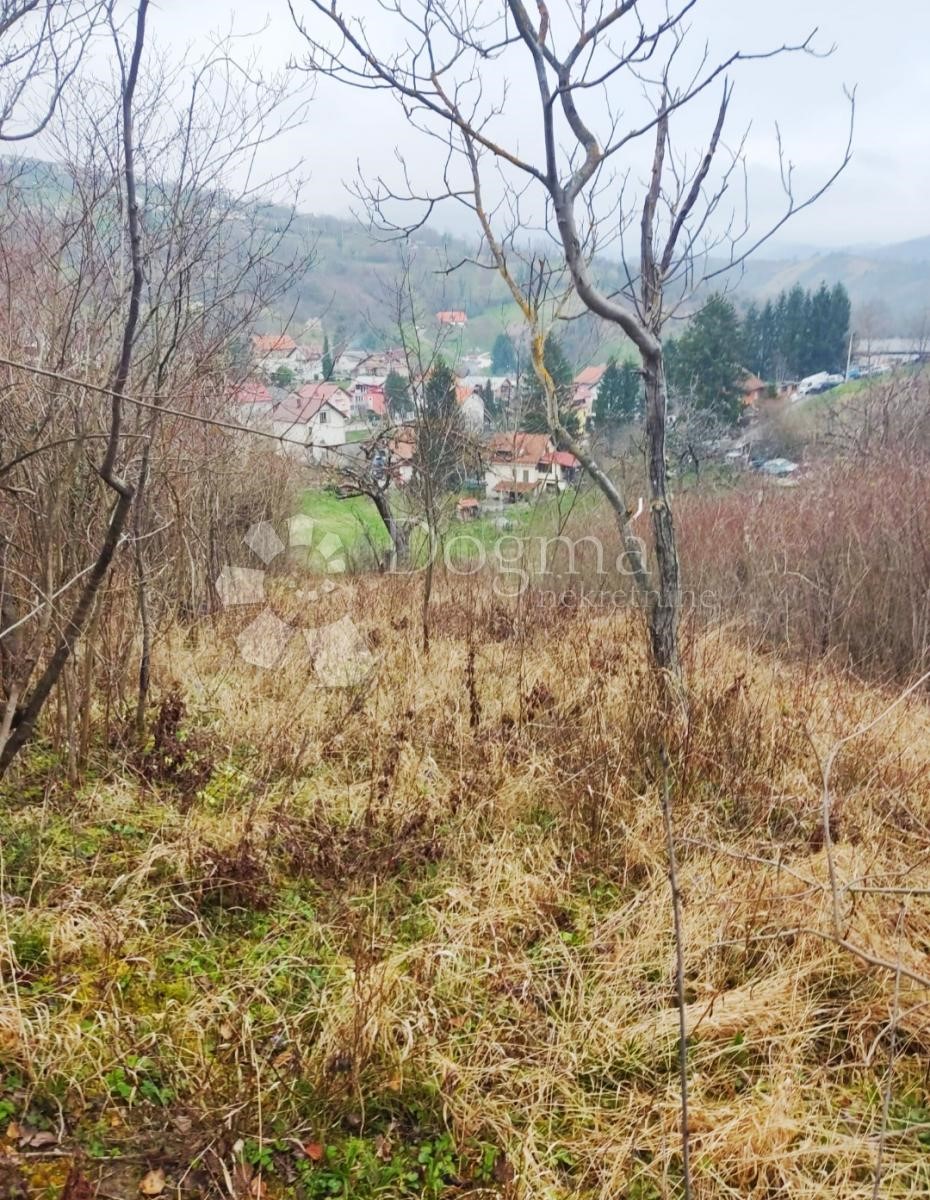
(881, 49)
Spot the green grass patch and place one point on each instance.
(354, 521)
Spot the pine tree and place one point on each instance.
(503, 355)
(704, 366)
(820, 355)
(795, 333)
(535, 414)
(752, 340)
(838, 342)
(397, 395)
(767, 342)
(327, 363)
(618, 398)
(440, 434)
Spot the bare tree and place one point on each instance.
(23, 718)
(453, 69)
(41, 45)
(143, 251)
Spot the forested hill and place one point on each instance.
(355, 276)
(352, 284)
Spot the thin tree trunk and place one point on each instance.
(665, 601)
(26, 719)
(142, 599)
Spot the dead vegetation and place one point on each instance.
(430, 935)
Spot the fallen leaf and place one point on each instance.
(183, 1124)
(13, 1132)
(154, 1183)
(314, 1151)
(38, 1139)
(257, 1190)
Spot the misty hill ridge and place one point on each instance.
(356, 272)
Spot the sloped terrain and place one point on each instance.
(414, 937)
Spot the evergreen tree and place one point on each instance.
(795, 331)
(838, 342)
(491, 407)
(327, 363)
(397, 395)
(752, 340)
(618, 398)
(439, 452)
(535, 414)
(780, 325)
(503, 355)
(704, 366)
(768, 342)
(819, 355)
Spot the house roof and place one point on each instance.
(302, 406)
(520, 447)
(752, 383)
(516, 486)
(464, 391)
(274, 343)
(326, 391)
(250, 392)
(469, 502)
(560, 458)
(452, 316)
(301, 412)
(591, 376)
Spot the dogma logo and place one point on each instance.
(337, 651)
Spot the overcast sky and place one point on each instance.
(881, 49)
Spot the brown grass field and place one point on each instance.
(414, 937)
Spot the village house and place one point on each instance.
(316, 416)
(271, 351)
(471, 402)
(587, 384)
(754, 390)
(522, 464)
(452, 317)
(307, 364)
(348, 364)
(401, 453)
(310, 417)
(884, 354)
(368, 397)
(250, 401)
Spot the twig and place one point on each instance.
(679, 972)
(892, 1050)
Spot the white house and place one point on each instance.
(271, 351)
(471, 403)
(520, 465)
(316, 416)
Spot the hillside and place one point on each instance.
(355, 277)
(353, 281)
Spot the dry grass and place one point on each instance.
(401, 912)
